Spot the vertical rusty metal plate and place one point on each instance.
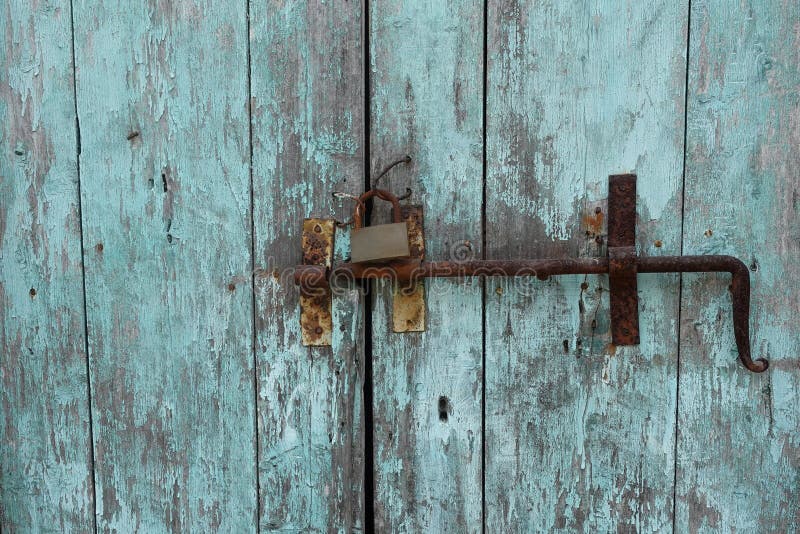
(622, 259)
(316, 320)
(408, 303)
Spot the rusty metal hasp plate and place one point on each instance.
(316, 319)
(622, 259)
(408, 304)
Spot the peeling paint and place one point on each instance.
(45, 446)
(570, 101)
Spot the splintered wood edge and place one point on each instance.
(408, 303)
(316, 319)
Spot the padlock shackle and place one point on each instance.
(383, 195)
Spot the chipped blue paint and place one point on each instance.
(308, 139)
(45, 447)
(739, 442)
(205, 404)
(580, 434)
(426, 65)
(162, 102)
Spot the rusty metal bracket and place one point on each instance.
(408, 301)
(316, 319)
(622, 259)
(622, 265)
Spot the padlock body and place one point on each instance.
(382, 242)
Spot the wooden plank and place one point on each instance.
(162, 101)
(308, 141)
(580, 434)
(426, 79)
(739, 440)
(45, 445)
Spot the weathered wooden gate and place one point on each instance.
(158, 159)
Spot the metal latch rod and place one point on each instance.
(312, 276)
(622, 265)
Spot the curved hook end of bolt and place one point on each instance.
(758, 366)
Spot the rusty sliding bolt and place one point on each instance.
(622, 265)
(317, 276)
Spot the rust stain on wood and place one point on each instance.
(594, 221)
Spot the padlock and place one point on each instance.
(382, 242)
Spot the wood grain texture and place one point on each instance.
(162, 101)
(194, 341)
(308, 141)
(426, 67)
(45, 454)
(580, 434)
(739, 440)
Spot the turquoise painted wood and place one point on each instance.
(580, 434)
(308, 141)
(158, 159)
(426, 101)
(45, 444)
(162, 98)
(738, 464)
